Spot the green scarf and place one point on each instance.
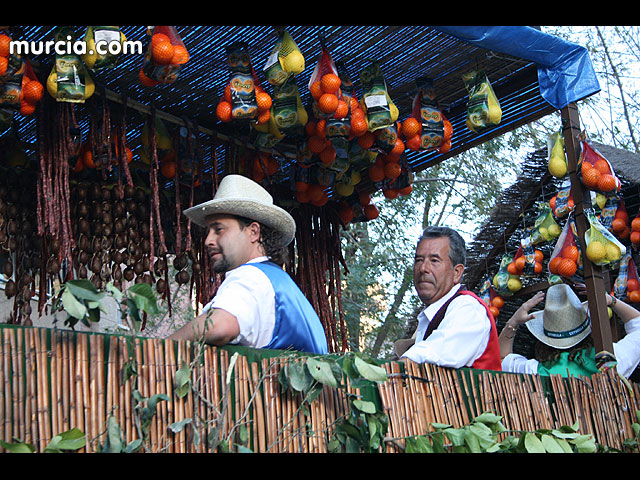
(583, 364)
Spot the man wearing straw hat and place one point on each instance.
(456, 329)
(258, 304)
(563, 329)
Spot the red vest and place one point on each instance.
(490, 358)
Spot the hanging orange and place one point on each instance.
(554, 263)
(520, 263)
(607, 182)
(162, 53)
(364, 198)
(328, 155)
(346, 214)
(263, 101)
(146, 81)
(405, 191)
(316, 90)
(371, 212)
(390, 193)
(376, 173)
(411, 127)
(512, 269)
(180, 55)
(634, 296)
(366, 140)
(310, 128)
(32, 92)
(223, 111)
(632, 284)
(168, 169)
(590, 177)
(571, 252)
(445, 146)
(159, 38)
(330, 83)
(392, 170)
(27, 108)
(316, 144)
(618, 225)
(321, 128)
(413, 143)
(301, 186)
(342, 110)
(328, 103)
(537, 268)
(398, 148)
(263, 117)
(635, 224)
(448, 130)
(494, 311)
(497, 301)
(4, 64)
(602, 166)
(567, 268)
(5, 42)
(634, 238)
(358, 125)
(303, 196)
(538, 255)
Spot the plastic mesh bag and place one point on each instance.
(602, 247)
(483, 107)
(566, 257)
(545, 228)
(596, 172)
(165, 56)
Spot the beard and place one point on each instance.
(220, 266)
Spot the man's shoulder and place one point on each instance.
(466, 298)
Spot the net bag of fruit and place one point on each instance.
(545, 228)
(379, 109)
(620, 221)
(562, 203)
(483, 107)
(325, 87)
(566, 258)
(595, 170)
(285, 59)
(603, 248)
(69, 80)
(556, 157)
(430, 122)
(504, 282)
(165, 56)
(99, 43)
(633, 282)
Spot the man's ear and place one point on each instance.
(458, 271)
(254, 231)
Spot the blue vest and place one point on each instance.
(297, 325)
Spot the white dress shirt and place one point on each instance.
(460, 339)
(626, 351)
(247, 294)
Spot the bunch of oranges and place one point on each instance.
(633, 290)
(552, 204)
(565, 263)
(516, 266)
(411, 130)
(164, 52)
(224, 109)
(32, 92)
(635, 231)
(264, 165)
(620, 223)
(369, 210)
(495, 305)
(312, 193)
(598, 176)
(5, 51)
(328, 97)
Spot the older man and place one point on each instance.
(456, 329)
(257, 304)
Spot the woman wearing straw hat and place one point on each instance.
(258, 304)
(563, 330)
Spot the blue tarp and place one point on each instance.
(565, 71)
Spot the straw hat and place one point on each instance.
(238, 195)
(564, 322)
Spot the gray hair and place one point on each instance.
(457, 246)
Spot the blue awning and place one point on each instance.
(565, 71)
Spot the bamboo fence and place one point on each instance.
(54, 380)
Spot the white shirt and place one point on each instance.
(247, 294)
(626, 351)
(460, 339)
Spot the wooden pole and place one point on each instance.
(593, 277)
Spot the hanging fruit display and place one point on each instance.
(483, 107)
(557, 158)
(69, 80)
(165, 56)
(96, 58)
(595, 170)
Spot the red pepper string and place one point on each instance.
(176, 183)
(123, 143)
